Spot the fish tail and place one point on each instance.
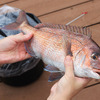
(19, 22)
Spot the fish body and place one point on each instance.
(52, 43)
(47, 46)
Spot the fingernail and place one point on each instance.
(28, 35)
(68, 58)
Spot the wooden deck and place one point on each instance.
(56, 11)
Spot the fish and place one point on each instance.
(53, 42)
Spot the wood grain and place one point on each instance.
(40, 7)
(56, 11)
(3, 2)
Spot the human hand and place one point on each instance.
(12, 48)
(69, 85)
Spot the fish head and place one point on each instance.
(95, 61)
(94, 57)
(87, 61)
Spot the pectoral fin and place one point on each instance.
(29, 48)
(51, 69)
(55, 73)
(55, 76)
(67, 45)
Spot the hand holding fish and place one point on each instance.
(12, 48)
(68, 85)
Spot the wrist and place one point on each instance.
(57, 96)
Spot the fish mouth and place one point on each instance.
(97, 71)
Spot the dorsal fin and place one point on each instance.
(73, 29)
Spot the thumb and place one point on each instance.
(21, 38)
(69, 70)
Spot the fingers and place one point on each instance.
(21, 38)
(69, 70)
(84, 81)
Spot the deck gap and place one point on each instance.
(8, 2)
(65, 8)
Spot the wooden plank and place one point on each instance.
(93, 83)
(40, 7)
(96, 33)
(41, 92)
(91, 93)
(38, 90)
(2, 2)
(62, 16)
(67, 15)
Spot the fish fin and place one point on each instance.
(51, 69)
(74, 29)
(79, 30)
(48, 25)
(20, 19)
(55, 76)
(29, 49)
(67, 45)
(55, 73)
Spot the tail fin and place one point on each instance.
(15, 26)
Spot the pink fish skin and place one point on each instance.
(52, 43)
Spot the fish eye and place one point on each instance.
(94, 56)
